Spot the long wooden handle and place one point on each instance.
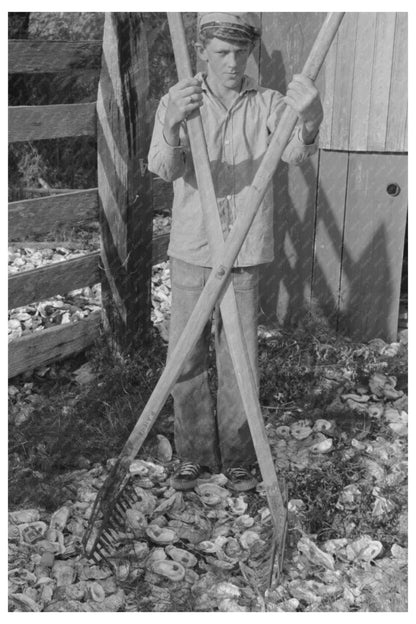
(219, 277)
(232, 325)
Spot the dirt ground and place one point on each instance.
(336, 419)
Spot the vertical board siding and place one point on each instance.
(381, 80)
(344, 74)
(286, 284)
(365, 100)
(328, 94)
(330, 209)
(397, 118)
(373, 246)
(361, 93)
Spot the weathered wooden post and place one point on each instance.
(124, 184)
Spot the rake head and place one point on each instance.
(108, 513)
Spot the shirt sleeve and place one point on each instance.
(167, 161)
(296, 150)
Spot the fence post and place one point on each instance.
(124, 184)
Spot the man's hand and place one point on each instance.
(184, 97)
(303, 97)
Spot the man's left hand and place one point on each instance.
(303, 97)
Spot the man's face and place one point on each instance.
(226, 61)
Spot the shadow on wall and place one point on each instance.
(358, 299)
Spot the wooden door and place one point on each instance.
(372, 253)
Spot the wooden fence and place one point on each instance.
(122, 201)
(339, 227)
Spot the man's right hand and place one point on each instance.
(184, 97)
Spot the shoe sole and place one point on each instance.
(241, 487)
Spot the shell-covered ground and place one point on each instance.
(336, 419)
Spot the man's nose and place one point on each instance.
(232, 59)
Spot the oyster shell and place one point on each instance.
(211, 494)
(95, 591)
(244, 522)
(248, 538)
(60, 518)
(283, 431)
(323, 425)
(24, 516)
(187, 559)
(160, 535)
(122, 569)
(225, 590)
(173, 570)
(163, 450)
(237, 506)
(300, 430)
(136, 520)
(322, 445)
(146, 502)
(139, 468)
(207, 547)
(157, 554)
(32, 532)
(63, 572)
(376, 410)
(141, 550)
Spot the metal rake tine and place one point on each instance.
(104, 540)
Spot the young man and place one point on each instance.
(238, 117)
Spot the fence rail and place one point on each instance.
(43, 214)
(56, 343)
(55, 121)
(41, 57)
(122, 143)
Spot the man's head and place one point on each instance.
(233, 27)
(225, 43)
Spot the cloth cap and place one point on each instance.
(232, 26)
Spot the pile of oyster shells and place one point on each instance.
(179, 545)
(81, 302)
(207, 549)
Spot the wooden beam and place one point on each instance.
(31, 56)
(53, 279)
(160, 248)
(50, 345)
(124, 184)
(41, 215)
(162, 195)
(32, 123)
(62, 277)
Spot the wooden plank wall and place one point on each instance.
(339, 235)
(366, 76)
(286, 41)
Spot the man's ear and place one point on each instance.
(201, 51)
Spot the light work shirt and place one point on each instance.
(237, 140)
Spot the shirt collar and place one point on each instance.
(249, 84)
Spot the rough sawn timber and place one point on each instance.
(50, 345)
(42, 215)
(124, 183)
(33, 123)
(41, 57)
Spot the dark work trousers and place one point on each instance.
(217, 438)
